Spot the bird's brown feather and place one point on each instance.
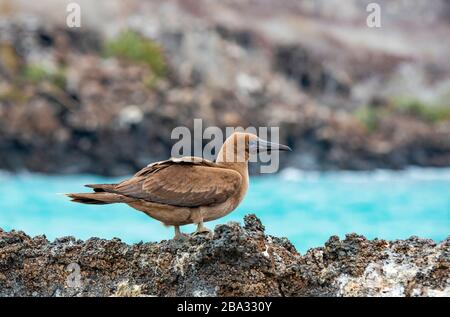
(99, 198)
(188, 182)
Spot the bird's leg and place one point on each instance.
(201, 229)
(178, 234)
(197, 217)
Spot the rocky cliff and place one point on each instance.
(235, 261)
(344, 96)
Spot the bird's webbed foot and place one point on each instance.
(201, 229)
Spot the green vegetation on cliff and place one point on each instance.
(370, 116)
(133, 47)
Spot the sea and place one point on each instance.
(306, 207)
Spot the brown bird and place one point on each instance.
(187, 190)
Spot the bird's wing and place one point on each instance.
(186, 182)
(153, 167)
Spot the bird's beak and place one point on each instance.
(264, 145)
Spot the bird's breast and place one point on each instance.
(217, 211)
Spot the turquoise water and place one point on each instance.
(305, 207)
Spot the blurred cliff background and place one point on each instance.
(104, 98)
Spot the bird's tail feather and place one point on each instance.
(101, 187)
(99, 198)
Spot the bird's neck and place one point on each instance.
(228, 158)
(233, 155)
(240, 167)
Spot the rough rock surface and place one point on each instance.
(236, 261)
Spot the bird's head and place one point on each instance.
(238, 147)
